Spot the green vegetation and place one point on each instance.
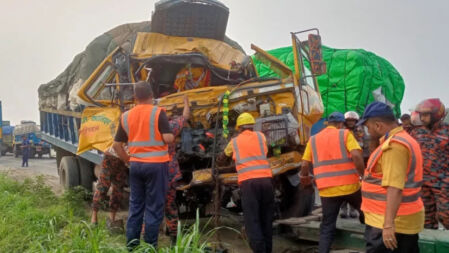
(34, 219)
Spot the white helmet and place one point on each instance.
(352, 115)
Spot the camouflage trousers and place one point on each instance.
(436, 203)
(171, 211)
(113, 172)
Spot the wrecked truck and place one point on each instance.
(221, 82)
(285, 109)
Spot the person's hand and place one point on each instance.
(305, 180)
(186, 100)
(389, 237)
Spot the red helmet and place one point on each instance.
(434, 106)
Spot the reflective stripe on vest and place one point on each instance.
(375, 195)
(341, 169)
(152, 149)
(344, 159)
(152, 141)
(243, 166)
(239, 161)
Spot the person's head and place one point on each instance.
(415, 120)
(143, 92)
(431, 111)
(406, 120)
(245, 121)
(379, 119)
(336, 119)
(24, 137)
(351, 119)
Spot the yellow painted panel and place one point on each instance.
(218, 52)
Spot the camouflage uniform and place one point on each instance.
(174, 174)
(435, 190)
(114, 171)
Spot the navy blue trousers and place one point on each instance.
(149, 184)
(25, 155)
(331, 208)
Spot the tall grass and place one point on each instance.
(34, 219)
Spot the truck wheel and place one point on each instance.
(69, 172)
(16, 154)
(87, 173)
(3, 153)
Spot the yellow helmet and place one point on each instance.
(245, 119)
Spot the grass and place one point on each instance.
(34, 219)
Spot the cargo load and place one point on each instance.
(354, 79)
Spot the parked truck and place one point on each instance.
(30, 130)
(1, 129)
(7, 138)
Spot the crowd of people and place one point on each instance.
(393, 177)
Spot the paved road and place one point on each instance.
(45, 165)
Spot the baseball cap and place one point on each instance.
(376, 109)
(336, 117)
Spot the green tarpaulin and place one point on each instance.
(354, 78)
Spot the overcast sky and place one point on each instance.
(40, 38)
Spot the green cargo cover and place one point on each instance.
(354, 78)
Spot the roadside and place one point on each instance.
(44, 167)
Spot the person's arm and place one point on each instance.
(164, 128)
(121, 138)
(356, 153)
(306, 166)
(394, 198)
(394, 164)
(357, 158)
(223, 158)
(186, 111)
(120, 150)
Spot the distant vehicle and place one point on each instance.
(32, 132)
(8, 138)
(1, 130)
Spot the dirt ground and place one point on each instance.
(44, 167)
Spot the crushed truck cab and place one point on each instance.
(221, 83)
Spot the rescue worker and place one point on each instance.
(249, 151)
(174, 174)
(433, 137)
(391, 186)
(406, 122)
(337, 165)
(146, 130)
(25, 151)
(351, 119)
(113, 173)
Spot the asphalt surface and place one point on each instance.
(44, 165)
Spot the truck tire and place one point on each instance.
(69, 172)
(60, 153)
(86, 173)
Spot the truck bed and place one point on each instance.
(60, 128)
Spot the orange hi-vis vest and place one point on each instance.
(249, 152)
(374, 196)
(332, 163)
(144, 139)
